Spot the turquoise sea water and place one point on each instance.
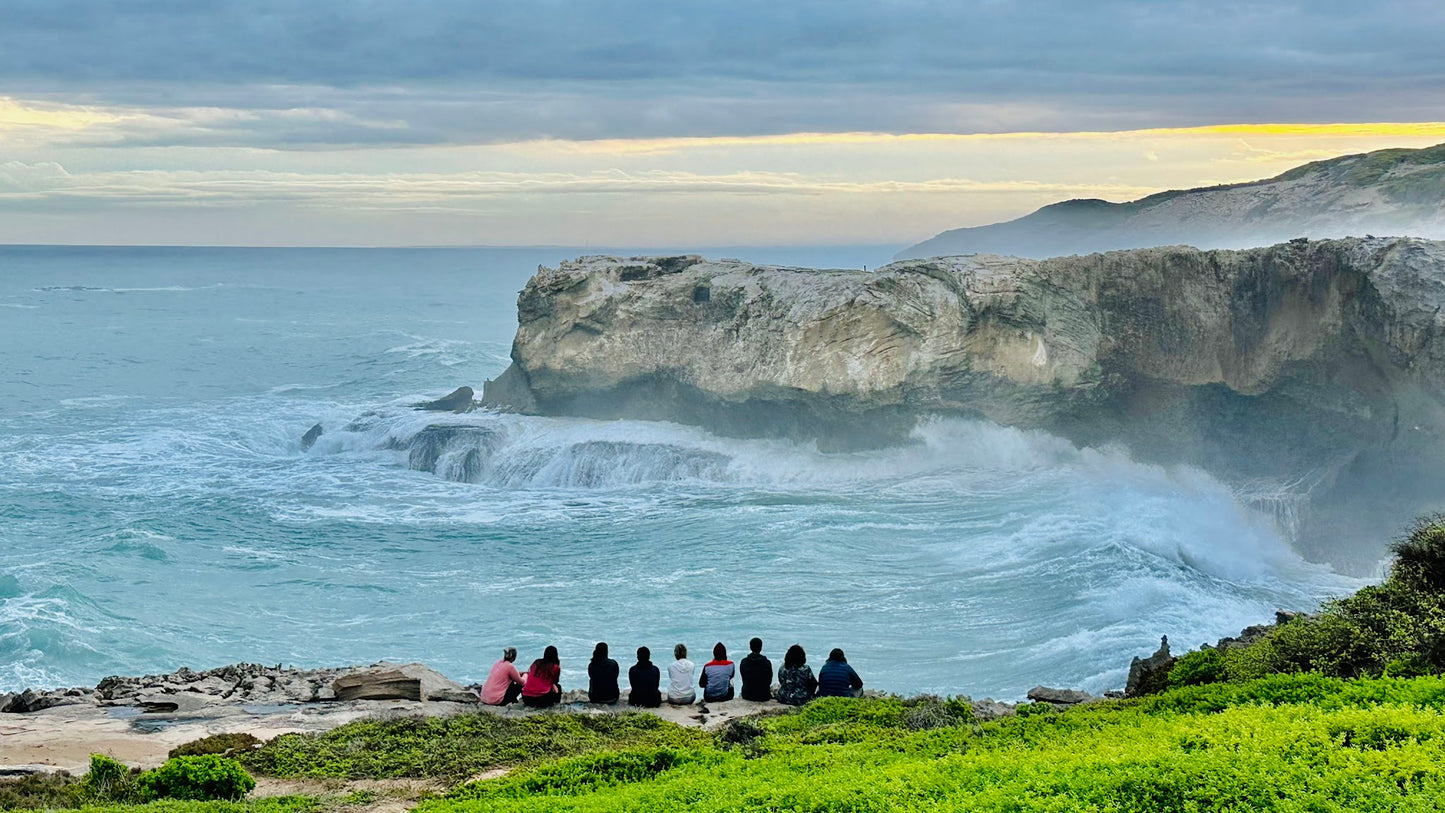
(156, 509)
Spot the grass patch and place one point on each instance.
(454, 748)
(1289, 742)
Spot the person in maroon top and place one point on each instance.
(543, 687)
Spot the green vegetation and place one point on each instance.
(200, 778)
(455, 748)
(1395, 628)
(227, 745)
(1373, 744)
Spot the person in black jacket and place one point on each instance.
(644, 678)
(757, 672)
(602, 677)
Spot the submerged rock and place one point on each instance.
(309, 439)
(459, 400)
(1322, 361)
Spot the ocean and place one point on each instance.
(157, 509)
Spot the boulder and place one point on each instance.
(462, 399)
(309, 439)
(990, 709)
(1059, 697)
(389, 681)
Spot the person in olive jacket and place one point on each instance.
(757, 673)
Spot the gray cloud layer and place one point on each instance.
(463, 72)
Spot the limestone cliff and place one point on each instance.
(1317, 360)
(1384, 192)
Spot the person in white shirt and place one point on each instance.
(680, 691)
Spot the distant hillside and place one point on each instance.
(1389, 192)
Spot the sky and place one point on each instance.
(681, 124)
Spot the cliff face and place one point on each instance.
(1315, 360)
(1384, 192)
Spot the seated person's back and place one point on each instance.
(602, 677)
(680, 673)
(837, 678)
(717, 676)
(643, 679)
(757, 674)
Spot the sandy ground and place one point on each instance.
(63, 738)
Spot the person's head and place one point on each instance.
(509, 654)
(756, 645)
(796, 657)
(680, 652)
(719, 652)
(549, 655)
(599, 652)
(837, 655)
(644, 655)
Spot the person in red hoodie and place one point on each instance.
(543, 687)
(717, 677)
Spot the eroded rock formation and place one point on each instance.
(1307, 362)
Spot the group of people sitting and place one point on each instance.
(540, 686)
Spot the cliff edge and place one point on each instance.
(1317, 366)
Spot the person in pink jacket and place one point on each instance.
(504, 684)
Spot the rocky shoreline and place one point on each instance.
(139, 719)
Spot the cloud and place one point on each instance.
(458, 71)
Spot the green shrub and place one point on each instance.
(1197, 668)
(41, 791)
(1420, 556)
(110, 781)
(197, 778)
(226, 745)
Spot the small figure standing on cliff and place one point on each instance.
(796, 684)
(757, 673)
(679, 675)
(717, 676)
(544, 681)
(504, 684)
(837, 678)
(602, 677)
(643, 678)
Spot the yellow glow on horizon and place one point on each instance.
(1428, 129)
(15, 114)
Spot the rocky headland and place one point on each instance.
(1309, 373)
(1397, 191)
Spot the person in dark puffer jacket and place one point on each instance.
(837, 678)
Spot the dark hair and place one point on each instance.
(549, 655)
(837, 655)
(644, 654)
(509, 654)
(756, 645)
(679, 651)
(719, 652)
(599, 652)
(796, 657)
